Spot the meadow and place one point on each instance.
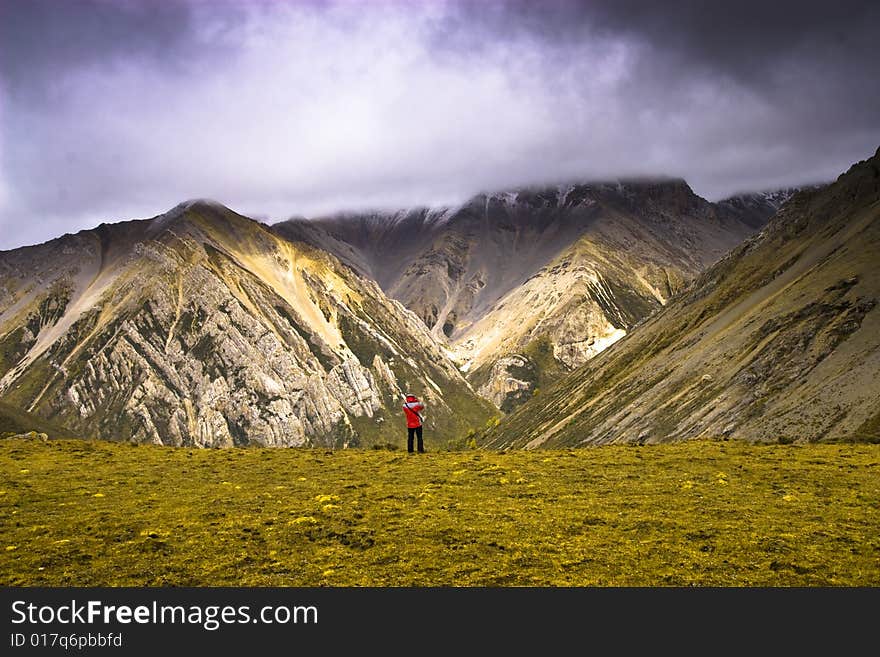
(80, 513)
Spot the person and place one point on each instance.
(412, 409)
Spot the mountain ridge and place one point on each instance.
(200, 326)
(178, 324)
(776, 341)
(575, 264)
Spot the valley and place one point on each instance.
(572, 268)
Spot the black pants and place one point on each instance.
(414, 431)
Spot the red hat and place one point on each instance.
(411, 398)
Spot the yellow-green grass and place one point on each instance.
(701, 513)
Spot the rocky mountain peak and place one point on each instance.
(569, 267)
(575, 193)
(202, 327)
(777, 341)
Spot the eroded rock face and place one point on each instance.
(511, 381)
(779, 341)
(202, 328)
(576, 265)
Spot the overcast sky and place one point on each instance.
(117, 109)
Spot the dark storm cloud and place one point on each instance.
(785, 51)
(742, 39)
(120, 108)
(777, 92)
(746, 39)
(819, 53)
(43, 39)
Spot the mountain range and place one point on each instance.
(556, 315)
(778, 341)
(524, 285)
(202, 327)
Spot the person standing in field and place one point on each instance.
(412, 409)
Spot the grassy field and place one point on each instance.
(700, 513)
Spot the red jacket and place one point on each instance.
(411, 409)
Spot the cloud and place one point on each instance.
(112, 110)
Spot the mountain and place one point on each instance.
(524, 285)
(202, 327)
(755, 209)
(778, 341)
(14, 421)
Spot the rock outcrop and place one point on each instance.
(201, 327)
